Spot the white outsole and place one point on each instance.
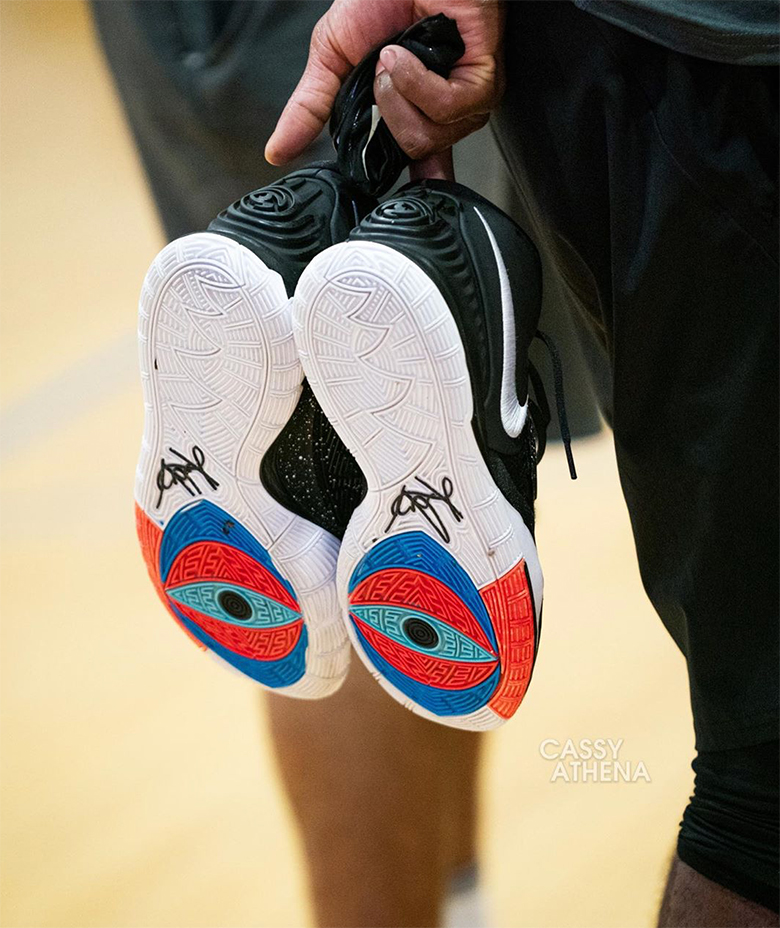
(385, 360)
(220, 371)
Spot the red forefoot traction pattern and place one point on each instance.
(442, 673)
(205, 560)
(511, 609)
(150, 539)
(208, 562)
(509, 605)
(416, 590)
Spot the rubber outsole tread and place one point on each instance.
(221, 378)
(385, 360)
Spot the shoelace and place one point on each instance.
(540, 408)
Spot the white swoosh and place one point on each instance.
(375, 120)
(513, 413)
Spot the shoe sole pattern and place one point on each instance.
(247, 580)
(438, 575)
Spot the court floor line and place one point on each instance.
(61, 399)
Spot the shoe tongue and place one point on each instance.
(367, 153)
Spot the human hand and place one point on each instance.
(425, 113)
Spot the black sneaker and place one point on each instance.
(242, 485)
(414, 336)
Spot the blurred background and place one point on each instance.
(138, 783)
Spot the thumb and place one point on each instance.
(309, 107)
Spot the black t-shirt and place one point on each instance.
(731, 31)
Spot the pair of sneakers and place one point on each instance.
(339, 445)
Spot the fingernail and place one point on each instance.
(387, 57)
(382, 82)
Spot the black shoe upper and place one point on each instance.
(290, 221)
(441, 227)
(307, 469)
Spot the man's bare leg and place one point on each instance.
(386, 803)
(692, 901)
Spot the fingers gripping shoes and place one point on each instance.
(413, 335)
(236, 508)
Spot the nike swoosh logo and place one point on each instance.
(513, 412)
(376, 118)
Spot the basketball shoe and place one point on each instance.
(242, 486)
(414, 336)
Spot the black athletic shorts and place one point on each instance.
(202, 85)
(649, 182)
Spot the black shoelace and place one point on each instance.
(540, 408)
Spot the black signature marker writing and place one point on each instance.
(171, 474)
(422, 501)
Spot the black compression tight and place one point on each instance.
(729, 831)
